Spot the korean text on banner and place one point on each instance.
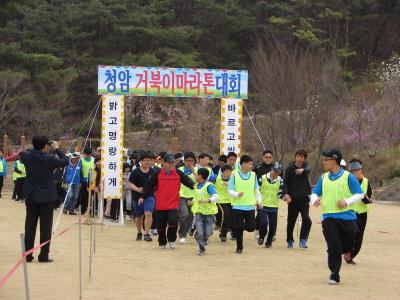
(112, 140)
(172, 82)
(231, 125)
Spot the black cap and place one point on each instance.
(333, 153)
(277, 167)
(169, 158)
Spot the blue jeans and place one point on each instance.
(204, 229)
(72, 197)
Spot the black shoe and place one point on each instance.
(147, 238)
(260, 241)
(46, 260)
(29, 259)
(223, 238)
(239, 251)
(191, 232)
(72, 213)
(268, 245)
(334, 279)
(139, 236)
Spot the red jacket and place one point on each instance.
(167, 188)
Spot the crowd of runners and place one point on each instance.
(182, 195)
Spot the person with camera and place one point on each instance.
(40, 193)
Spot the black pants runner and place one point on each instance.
(19, 183)
(361, 223)
(167, 218)
(1, 183)
(339, 235)
(298, 205)
(242, 220)
(226, 221)
(268, 221)
(84, 197)
(44, 213)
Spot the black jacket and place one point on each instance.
(262, 169)
(39, 186)
(298, 186)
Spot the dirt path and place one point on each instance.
(126, 269)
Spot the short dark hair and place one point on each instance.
(232, 154)
(178, 155)
(210, 157)
(225, 167)
(162, 154)
(87, 150)
(146, 154)
(39, 142)
(223, 158)
(355, 160)
(268, 151)
(203, 172)
(301, 152)
(189, 155)
(203, 155)
(245, 159)
(126, 165)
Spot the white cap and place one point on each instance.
(343, 163)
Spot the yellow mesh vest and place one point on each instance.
(204, 208)
(269, 192)
(245, 186)
(333, 191)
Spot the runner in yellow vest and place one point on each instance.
(336, 190)
(87, 162)
(205, 198)
(19, 175)
(272, 190)
(186, 194)
(224, 202)
(361, 208)
(245, 192)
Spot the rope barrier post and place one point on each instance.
(91, 233)
(121, 211)
(27, 297)
(80, 253)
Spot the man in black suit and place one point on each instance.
(40, 192)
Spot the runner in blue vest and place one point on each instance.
(336, 190)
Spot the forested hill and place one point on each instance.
(49, 50)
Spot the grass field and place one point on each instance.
(126, 269)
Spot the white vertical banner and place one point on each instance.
(112, 146)
(231, 125)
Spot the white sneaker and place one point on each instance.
(163, 247)
(172, 245)
(182, 240)
(256, 234)
(59, 209)
(332, 282)
(154, 231)
(128, 218)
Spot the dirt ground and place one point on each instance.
(126, 269)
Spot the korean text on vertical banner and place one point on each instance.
(112, 145)
(231, 125)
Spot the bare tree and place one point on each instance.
(10, 88)
(297, 95)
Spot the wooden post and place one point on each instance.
(174, 145)
(5, 145)
(23, 142)
(78, 147)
